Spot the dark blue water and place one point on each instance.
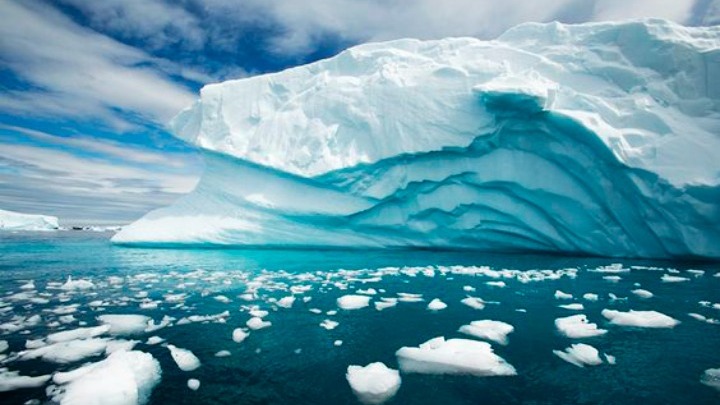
(653, 365)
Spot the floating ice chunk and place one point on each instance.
(223, 353)
(239, 335)
(286, 302)
(3, 346)
(487, 329)
(193, 384)
(468, 288)
(578, 326)
(611, 268)
(580, 355)
(500, 284)
(79, 333)
(316, 311)
(185, 359)
(369, 291)
(642, 293)
(350, 302)
(120, 345)
(703, 318)
(609, 358)
(640, 319)
(453, 356)
(666, 278)
(329, 324)
(590, 297)
(337, 343)
(408, 297)
(473, 302)
(573, 306)
(223, 299)
(436, 305)
(711, 378)
(124, 378)
(12, 380)
(696, 273)
(81, 284)
(374, 383)
(124, 325)
(256, 323)
(152, 326)
(331, 312)
(559, 295)
(385, 303)
(67, 352)
(613, 279)
(35, 343)
(153, 340)
(259, 313)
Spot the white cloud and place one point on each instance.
(675, 10)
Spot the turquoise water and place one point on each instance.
(295, 360)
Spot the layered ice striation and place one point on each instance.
(16, 221)
(599, 138)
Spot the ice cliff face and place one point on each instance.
(594, 139)
(15, 221)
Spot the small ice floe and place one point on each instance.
(614, 297)
(611, 268)
(642, 293)
(153, 340)
(487, 329)
(124, 378)
(351, 302)
(256, 323)
(193, 384)
(331, 313)
(696, 273)
(468, 288)
(337, 343)
(580, 355)
(666, 278)
(703, 318)
(79, 333)
(164, 322)
(239, 335)
(453, 356)
(369, 291)
(124, 325)
(612, 279)
(81, 284)
(286, 302)
(640, 319)
(316, 311)
(559, 295)
(374, 383)
(578, 326)
(12, 380)
(185, 359)
(34, 343)
(711, 378)
(223, 299)
(216, 318)
(3, 346)
(590, 297)
(385, 303)
(408, 297)
(260, 313)
(500, 284)
(573, 307)
(436, 305)
(67, 352)
(329, 324)
(223, 353)
(29, 285)
(473, 302)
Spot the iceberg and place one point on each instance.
(16, 221)
(597, 138)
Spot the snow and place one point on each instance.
(185, 359)
(580, 355)
(374, 383)
(351, 302)
(79, 333)
(487, 329)
(578, 326)
(453, 356)
(436, 305)
(125, 324)
(12, 380)
(357, 149)
(16, 221)
(124, 378)
(640, 319)
(67, 352)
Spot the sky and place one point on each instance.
(87, 87)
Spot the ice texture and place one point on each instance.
(185, 359)
(578, 326)
(374, 383)
(597, 138)
(16, 221)
(640, 319)
(496, 331)
(580, 355)
(350, 302)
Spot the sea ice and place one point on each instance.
(329, 324)
(573, 307)
(436, 305)
(12, 380)
(193, 384)
(562, 296)
(350, 302)
(239, 335)
(711, 378)
(453, 356)
(642, 293)
(640, 319)
(185, 359)
(374, 383)
(124, 325)
(580, 355)
(578, 326)
(487, 329)
(256, 323)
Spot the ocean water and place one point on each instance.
(295, 360)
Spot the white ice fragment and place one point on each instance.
(256, 323)
(337, 343)
(286, 302)
(580, 355)
(711, 378)
(436, 305)
(369, 291)
(374, 383)
(578, 326)
(185, 359)
(666, 278)
(453, 356)
(12, 380)
(488, 329)
(81, 284)
(559, 295)
(500, 284)
(329, 324)
(573, 307)
(223, 353)
(79, 333)
(223, 299)
(351, 302)
(590, 297)
(153, 340)
(239, 335)
(468, 288)
(193, 384)
(640, 319)
(124, 325)
(642, 293)
(473, 302)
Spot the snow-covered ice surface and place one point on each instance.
(597, 139)
(53, 325)
(17, 221)
(374, 383)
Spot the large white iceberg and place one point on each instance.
(597, 138)
(16, 221)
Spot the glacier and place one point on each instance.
(16, 221)
(596, 138)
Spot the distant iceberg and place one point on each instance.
(600, 138)
(16, 221)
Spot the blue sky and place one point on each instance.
(86, 87)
